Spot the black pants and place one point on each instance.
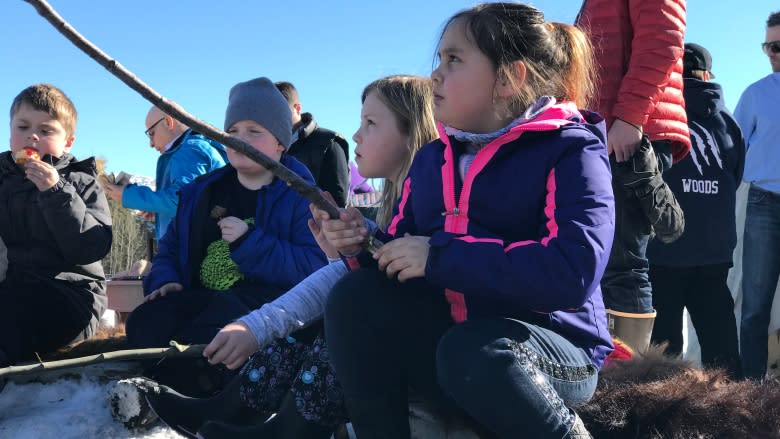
(41, 316)
(191, 316)
(703, 290)
(383, 337)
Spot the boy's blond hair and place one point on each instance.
(51, 100)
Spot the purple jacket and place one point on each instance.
(527, 233)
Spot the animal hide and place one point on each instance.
(656, 396)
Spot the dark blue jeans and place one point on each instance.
(760, 271)
(512, 378)
(626, 282)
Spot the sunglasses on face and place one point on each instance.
(150, 131)
(772, 47)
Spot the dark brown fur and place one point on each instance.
(104, 340)
(655, 396)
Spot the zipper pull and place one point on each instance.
(455, 212)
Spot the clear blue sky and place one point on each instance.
(193, 51)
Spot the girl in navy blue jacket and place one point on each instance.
(486, 292)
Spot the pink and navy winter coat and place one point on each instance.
(527, 233)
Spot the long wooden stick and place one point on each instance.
(310, 192)
(175, 351)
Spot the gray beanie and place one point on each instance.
(259, 100)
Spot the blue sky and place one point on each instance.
(193, 51)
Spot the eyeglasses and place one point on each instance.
(150, 131)
(771, 47)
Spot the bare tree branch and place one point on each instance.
(310, 192)
(175, 351)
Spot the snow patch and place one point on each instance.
(69, 409)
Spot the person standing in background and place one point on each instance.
(638, 50)
(691, 272)
(184, 155)
(757, 114)
(323, 151)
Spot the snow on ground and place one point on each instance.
(65, 409)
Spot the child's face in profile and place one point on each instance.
(260, 139)
(381, 146)
(39, 130)
(463, 83)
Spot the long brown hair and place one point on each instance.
(410, 99)
(557, 57)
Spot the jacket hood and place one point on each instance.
(306, 126)
(702, 98)
(555, 117)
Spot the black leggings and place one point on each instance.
(395, 326)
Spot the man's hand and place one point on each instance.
(232, 346)
(405, 257)
(163, 290)
(148, 216)
(114, 191)
(623, 139)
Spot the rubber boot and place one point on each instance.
(287, 423)
(633, 329)
(186, 415)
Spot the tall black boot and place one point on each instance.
(287, 424)
(186, 415)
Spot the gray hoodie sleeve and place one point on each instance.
(296, 308)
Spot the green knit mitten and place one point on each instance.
(218, 271)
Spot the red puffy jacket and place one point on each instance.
(638, 46)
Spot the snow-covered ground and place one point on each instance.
(65, 409)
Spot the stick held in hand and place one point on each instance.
(308, 191)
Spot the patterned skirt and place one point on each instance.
(297, 367)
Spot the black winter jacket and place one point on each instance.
(58, 236)
(326, 154)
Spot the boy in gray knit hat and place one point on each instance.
(240, 236)
(260, 101)
(258, 114)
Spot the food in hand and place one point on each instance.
(27, 153)
(218, 212)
